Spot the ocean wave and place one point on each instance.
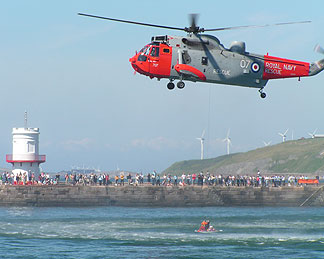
(96, 232)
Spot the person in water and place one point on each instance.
(205, 226)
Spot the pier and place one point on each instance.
(159, 196)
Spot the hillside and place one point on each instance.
(304, 156)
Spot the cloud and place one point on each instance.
(157, 143)
(74, 144)
(45, 144)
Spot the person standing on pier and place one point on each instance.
(129, 178)
(122, 179)
(153, 177)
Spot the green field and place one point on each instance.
(304, 156)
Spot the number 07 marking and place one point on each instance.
(245, 63)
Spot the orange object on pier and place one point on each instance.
(308, 181)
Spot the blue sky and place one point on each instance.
(72, 75)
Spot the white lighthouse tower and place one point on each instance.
(25, 158)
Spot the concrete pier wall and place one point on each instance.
(156, 196)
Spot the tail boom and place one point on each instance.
(275, 67)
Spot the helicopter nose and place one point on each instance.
(132, 60)
(139, 66)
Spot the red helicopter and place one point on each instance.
(199, 57)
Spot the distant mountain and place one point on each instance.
(304, 156)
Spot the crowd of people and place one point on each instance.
(200, 179)
(27, 178)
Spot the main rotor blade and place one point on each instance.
(132, 22)
(254, 26)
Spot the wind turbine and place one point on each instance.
(283, 135)
(228, 140)
(266, 144)
(312, 134)
(201, 139)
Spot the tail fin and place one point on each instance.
(317, 66)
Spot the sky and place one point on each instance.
(72, 75)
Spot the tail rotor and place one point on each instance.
(317, 66)
(319, 49)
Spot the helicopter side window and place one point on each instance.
(155, 52)
(204, 61)
(166, 51)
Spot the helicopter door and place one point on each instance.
(160, 61)
(154, 60)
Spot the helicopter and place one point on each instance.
(200, 57)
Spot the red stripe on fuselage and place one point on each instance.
(183, 67)
(283, 68)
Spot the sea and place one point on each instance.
(118, 232)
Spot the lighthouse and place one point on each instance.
(25, 158)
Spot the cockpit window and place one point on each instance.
(142, 58)
(144, 49)
(147, 50)
(155, 51)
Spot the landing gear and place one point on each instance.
(180, 84)
(170, 85)
(262, 94)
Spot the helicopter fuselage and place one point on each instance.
(202, 58)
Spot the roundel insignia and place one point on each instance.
(255, 67)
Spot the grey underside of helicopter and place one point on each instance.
(218, 64)
(224, 67)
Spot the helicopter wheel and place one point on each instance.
(181, 85)
(262, 94)
(170, 86)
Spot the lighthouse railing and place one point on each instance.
(10, 158)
